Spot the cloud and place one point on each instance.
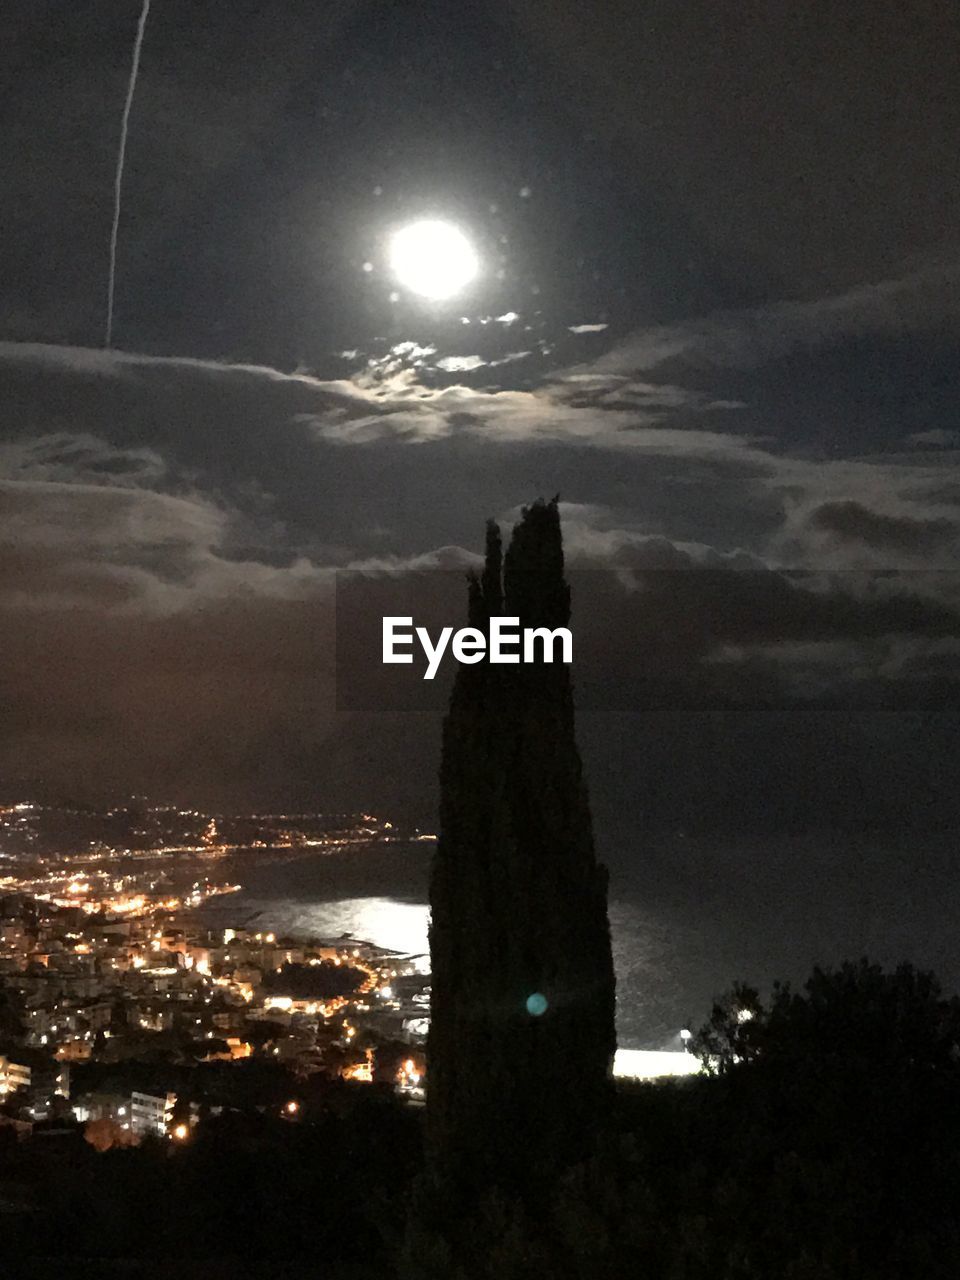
(926, 299)
(72, 457)
(140, 650)
(395, 405)
(260, 441)
(936, 438)
(851, 521)
(290, 456)
(717, 598)
(173, 531)
(78, 544)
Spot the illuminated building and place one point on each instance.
(14, 1075)
(152, 1112)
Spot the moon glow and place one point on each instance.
(433, 259)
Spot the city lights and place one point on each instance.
(112, 961)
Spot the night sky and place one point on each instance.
(719, 314)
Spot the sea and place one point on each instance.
(688, 917)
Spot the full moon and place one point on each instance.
(433, 258)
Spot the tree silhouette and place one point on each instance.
(522, 1008)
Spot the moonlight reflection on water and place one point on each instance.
(396, 926)
(687, 918)
(648, 983)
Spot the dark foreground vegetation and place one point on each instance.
(325, 1190)
(825, 1145)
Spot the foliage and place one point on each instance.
(857, 1011)
(247, 1187)
(314, 981)
(518, 901)
(104, 1134)
(11, 1016)
(731, 1033)
(825, 1146)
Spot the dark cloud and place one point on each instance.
(850, 521)
(922, 298)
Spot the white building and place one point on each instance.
(151, 1113)
(13, 1076)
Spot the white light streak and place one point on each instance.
(118, 178)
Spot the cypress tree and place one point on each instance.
(522, 1008)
